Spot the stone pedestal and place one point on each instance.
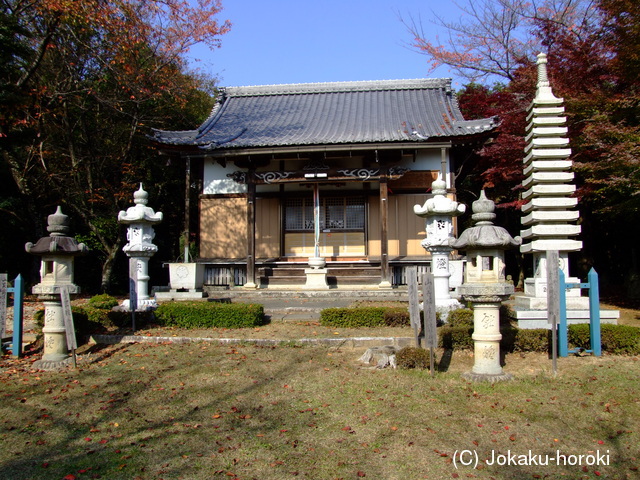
(56, 352)
(316, 279)
(441, 269)
(486, 332)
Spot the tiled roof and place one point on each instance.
(331, 114)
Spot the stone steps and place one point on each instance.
(336, 275)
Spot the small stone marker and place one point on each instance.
(414, 305)
(133, 290)
(67, 316)
(3, 303)
(553, 302)
(429, 308)
(430, 320)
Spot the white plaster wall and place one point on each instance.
(216, 180)
(428, 160)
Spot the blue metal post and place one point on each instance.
(563, 343)
(18, 293)
(594, 313)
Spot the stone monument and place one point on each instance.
(550, 211)
(439, 212)
(485, 287)
(56, 272)
(140, 220)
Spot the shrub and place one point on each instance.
(460, 317)
(532, 340)
(397, 317)
(38, 318)
(353, 317)
(616, 339)
(455, 337)
(210, 315)
(412, 357)
(513, 339)
(103, 302)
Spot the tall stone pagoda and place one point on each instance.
(550, 212)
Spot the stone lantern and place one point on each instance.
(56, 271)
(140, 220)
(485, 287)
(439, 212)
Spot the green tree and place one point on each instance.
(592, 47)
(99, 75)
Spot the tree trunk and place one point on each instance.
(107, 266)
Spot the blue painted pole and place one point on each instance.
(594, 313)
(563, 343)
(18, 294)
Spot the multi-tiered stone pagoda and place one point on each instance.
(550, 214)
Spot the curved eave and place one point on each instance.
(199, 151)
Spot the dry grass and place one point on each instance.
(628, 316)
(290, 330)
(201, 411)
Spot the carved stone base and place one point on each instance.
(485, 377)
(143, 305)
(53, 364)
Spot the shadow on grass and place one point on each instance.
(445, 360)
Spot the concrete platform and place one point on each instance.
(167, 296)
(528, 319)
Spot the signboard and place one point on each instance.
(3, 303)
(553, 302)
(429, 303)
(414, 305)
(67, 316)
(133, 290)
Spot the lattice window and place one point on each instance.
(335, 214)
(354, 213)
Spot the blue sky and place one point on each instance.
(303, 41)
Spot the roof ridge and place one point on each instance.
(329, 87)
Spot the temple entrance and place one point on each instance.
(342, 227)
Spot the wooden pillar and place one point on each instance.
(251, 231)
(384, 235)
(187, 208)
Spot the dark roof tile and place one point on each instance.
(330, 114)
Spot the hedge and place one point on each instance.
(616, 339)
(88, 319)
(209, 315)
(353, 317)
(460, 317)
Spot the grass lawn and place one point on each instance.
(205, 411)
